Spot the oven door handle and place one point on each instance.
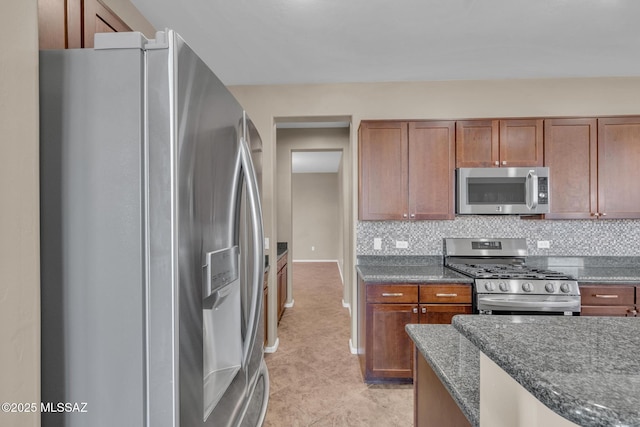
(532, 190)
(542, 304)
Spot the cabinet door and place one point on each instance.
(570, 153)
(265, 312)
(618, 170)
(608, 310)
(282, 291)
(477, 143)
(431, 170)
(99, 19)
(59, 24)
(389, 352)
(521, 142)
(383, 186)
(442, 313)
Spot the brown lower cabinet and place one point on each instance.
(265, 306)
(433, 405)
(385, 349)
(282, 277)
(609, 300)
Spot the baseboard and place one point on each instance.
(290, 304)
(347, 306)
(273, 348)
(352, 348)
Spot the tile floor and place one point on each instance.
(315, 380)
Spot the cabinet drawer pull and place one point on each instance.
(392, 294)
(415, 310)
(447, 295)
(605, 296)
(424, 310)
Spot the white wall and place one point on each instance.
(316, 219)
(19, 219)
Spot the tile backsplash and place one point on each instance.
(566, 237)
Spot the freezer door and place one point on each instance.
(204, 219)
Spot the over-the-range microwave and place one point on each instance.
(502, 191)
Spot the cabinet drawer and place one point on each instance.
(445, 294)
(607, 295)
(392, 293)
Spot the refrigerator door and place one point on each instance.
(208, 212)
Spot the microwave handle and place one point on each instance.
(532, 190)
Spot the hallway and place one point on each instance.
(315, 380)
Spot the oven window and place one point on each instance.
(491, 191)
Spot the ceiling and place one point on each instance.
(339, 41)
(315, 161)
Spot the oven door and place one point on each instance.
(504, 191)
(528, 304)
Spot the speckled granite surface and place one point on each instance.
(414, 269)
(407, 269)
(455, 360)
(282, 248)
(605, 270)
(585, 369)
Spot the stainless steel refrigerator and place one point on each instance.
(151, 240)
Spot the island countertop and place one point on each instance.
(455, 360)
(585, 369)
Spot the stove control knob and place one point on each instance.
(549, 287)
(490, 286)
(565, 288)
(527, 287)
(503, 286)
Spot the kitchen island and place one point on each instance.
(564, 370)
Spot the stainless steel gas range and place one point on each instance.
(505, 284)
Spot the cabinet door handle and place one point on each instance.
(504, 162)
(632, 313)
(413, 215)
(603, 214)
(447, 295)
(497, 163)
(415, 310)
(404, 215)
(424, 310)
(392, 294)
(605, 296)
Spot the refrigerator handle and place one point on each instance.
(257, 263)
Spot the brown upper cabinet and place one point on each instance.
(499, 143)
(593, 166)
(406, 170)
(619, 167)
(69, 24)
(571, 154)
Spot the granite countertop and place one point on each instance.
(601, 269)
(425, 269)
(586, 369)
(407, 269)
(455, 360)
(282, 248)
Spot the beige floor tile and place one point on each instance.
(315, 380)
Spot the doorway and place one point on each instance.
(314, 139)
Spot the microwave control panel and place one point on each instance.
(543, 190)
